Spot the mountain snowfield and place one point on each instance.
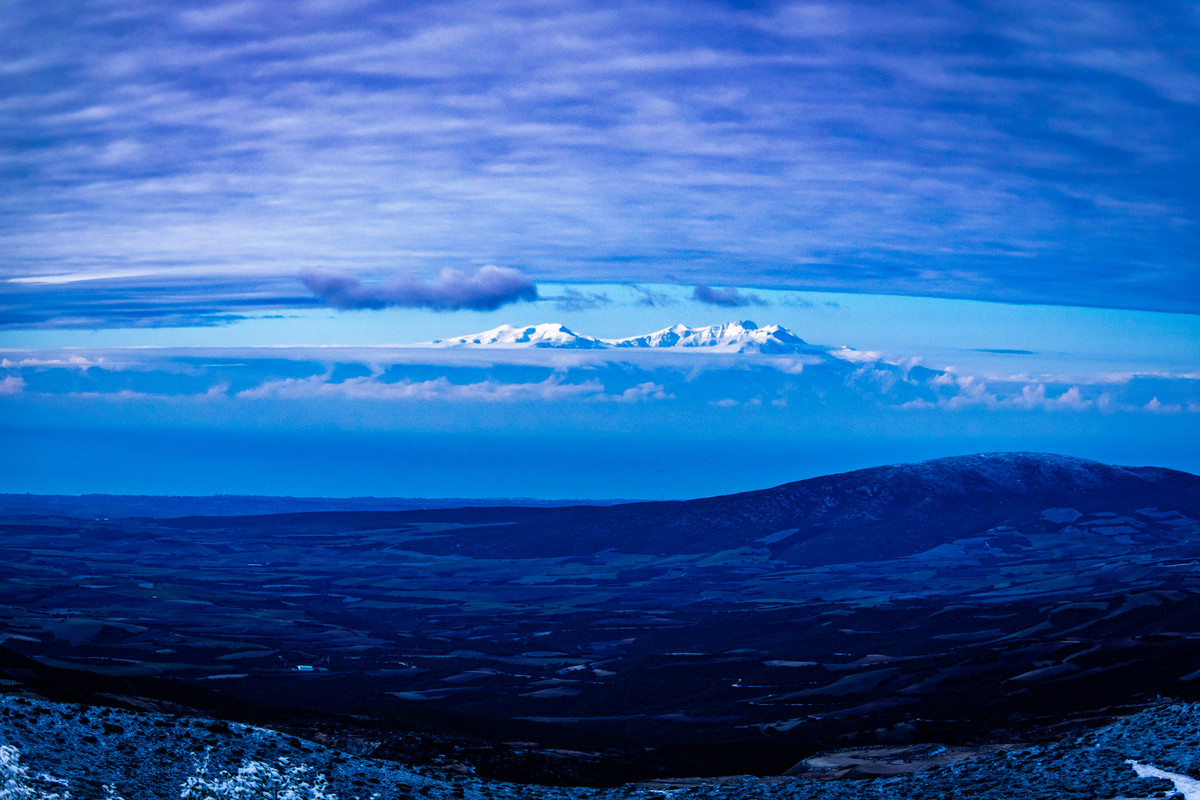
(549, 334)
(731, 337)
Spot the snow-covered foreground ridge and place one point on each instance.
(731, 337)
(59, 751)
(253, 780)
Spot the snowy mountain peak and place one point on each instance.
(731, 337)
(550, 334)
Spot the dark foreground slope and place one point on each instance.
(965, 600)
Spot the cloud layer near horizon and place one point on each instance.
(1028, 152)
(839, 381)
(252, 420)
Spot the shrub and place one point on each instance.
(254, 780)
(17, 784)
(257, 781)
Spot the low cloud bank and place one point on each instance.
(487, 289)
(440, 389)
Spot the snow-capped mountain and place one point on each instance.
(732, 337)
(550, 334)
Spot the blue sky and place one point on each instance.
(932, 182)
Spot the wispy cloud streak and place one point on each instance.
(435, 389)
(1034, 153)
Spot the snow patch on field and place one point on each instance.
(1188, 787)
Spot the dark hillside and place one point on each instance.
(883, 512)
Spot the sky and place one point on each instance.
(202, 201)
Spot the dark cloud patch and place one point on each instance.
(729, 297)
(649, 297)
(796, 301)
(487, 289)
(575, 300)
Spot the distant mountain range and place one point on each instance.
(732, 337)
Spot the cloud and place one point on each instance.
(1073, 398)
(345, 378)
(856, 356)
(798, 301)
(643, 392)
(552, 389)
(365, 388)
(160, 298)
(729, 297)
(575, 300)
(11, 384)
(1035, 397)
(1022, 152)
(487, 289)
(1158, 407)
(649, 297)
(74, 362)
(968, 391)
